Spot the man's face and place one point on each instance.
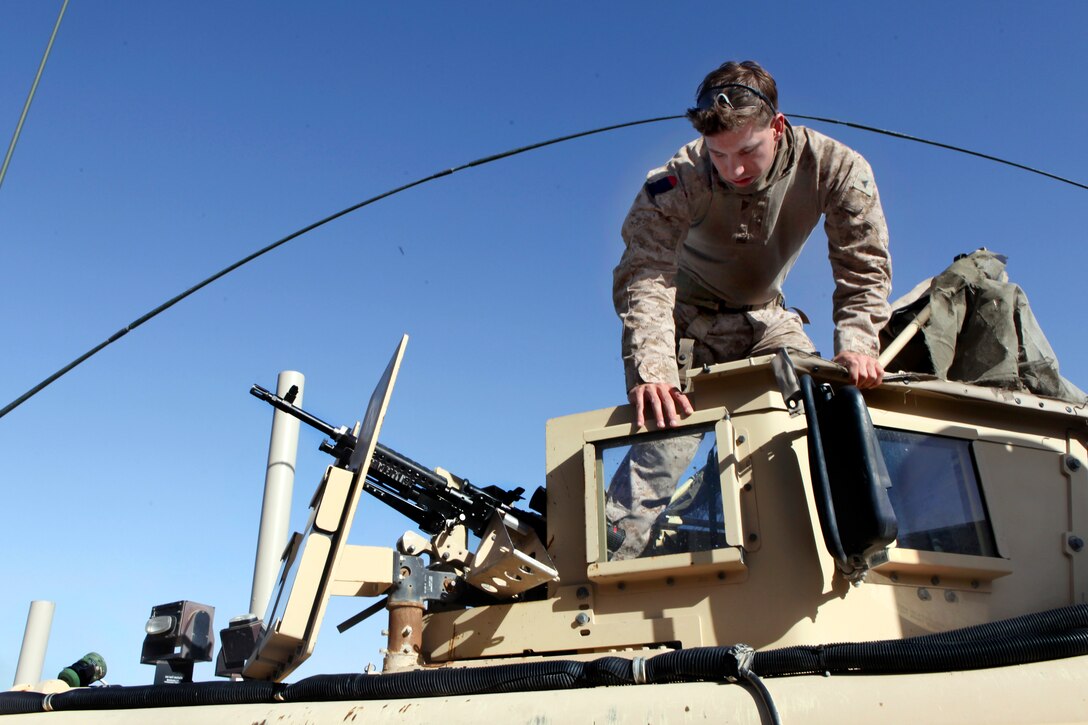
(743, 155)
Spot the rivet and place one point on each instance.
(721, 575)
(950, 596)
(741, 440)
(670, 581)
(975, 584)
(747, 487)
(582, 593)
(894, 576)
(621, 586)
(923, 594)
(935, 580)
(1017, 400)
(1076, 543)
(582, 619)
(1073, 462)
(753, 537)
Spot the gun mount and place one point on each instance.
(509, 561)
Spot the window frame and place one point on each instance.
(728, 560)
(921, 567)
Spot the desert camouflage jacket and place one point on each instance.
(739, 244)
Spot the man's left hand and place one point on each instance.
(865, 371)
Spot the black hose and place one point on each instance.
(553, 675)
(179, 695)
(763, 696)
(903, 656)
(697, 663)
(1053, 620)
(19, 703)
(1037, 637)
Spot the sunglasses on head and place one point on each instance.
(732, 96)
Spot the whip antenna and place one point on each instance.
(478, 162)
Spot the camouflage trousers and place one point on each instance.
(643, 485)
(734, 336)
(641, 489)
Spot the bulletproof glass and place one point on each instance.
(663, 495)
(935, 493)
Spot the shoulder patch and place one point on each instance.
(864, 184)
(661, 184)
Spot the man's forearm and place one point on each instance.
(649, 338)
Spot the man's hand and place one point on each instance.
(865, 371)
(663, 400)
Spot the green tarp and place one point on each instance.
(981, 331)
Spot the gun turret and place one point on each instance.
(433, 501)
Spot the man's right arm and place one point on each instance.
(644, 293)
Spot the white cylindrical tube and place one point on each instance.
(35, 641)
(905, 336)
(278, 484)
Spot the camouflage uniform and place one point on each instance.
(707, 261)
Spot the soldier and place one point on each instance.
(713, 234)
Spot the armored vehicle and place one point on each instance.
(912, 552)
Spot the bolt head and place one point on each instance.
(1076, 543)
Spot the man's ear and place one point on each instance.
(779, 125)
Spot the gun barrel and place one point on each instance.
(280, 404)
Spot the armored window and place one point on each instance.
(661, 494)
(935, 493)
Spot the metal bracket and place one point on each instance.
(1073, 541)
(785, 374)
(510, 560)
(685, 356)
(413, 582)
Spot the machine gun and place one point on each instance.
(435, 503)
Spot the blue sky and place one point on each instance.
(169, 139)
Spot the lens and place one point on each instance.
(723, 100)
(159, 625)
